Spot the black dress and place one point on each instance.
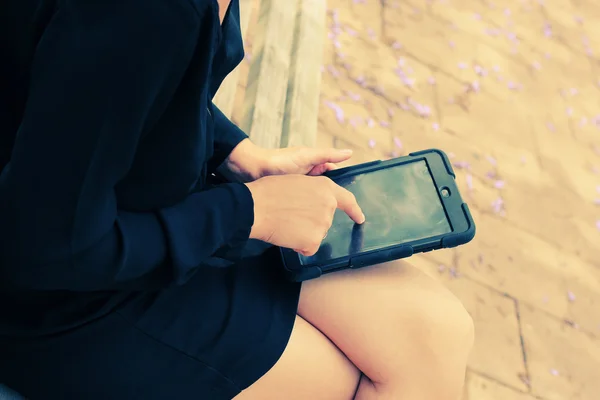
(125, 273)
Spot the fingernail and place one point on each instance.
(363, 219)
(346, 151)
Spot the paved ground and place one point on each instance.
(512, 91)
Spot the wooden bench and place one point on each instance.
(281, 97)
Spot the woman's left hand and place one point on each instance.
(248, 162)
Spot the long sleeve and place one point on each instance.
(227, 136)
(101, 69)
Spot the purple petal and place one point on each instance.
(491, 160)
(479, 70)
(554, 372)
(404, 106)
(571, 296)
(353, 96)
(339, 112)
(333, 71)
(571, 323)
(351, 31)
(397, 142)
(498, 205)
(372, 143)
(461, 165)
(499, 184)
(547, 30)
(469, 179)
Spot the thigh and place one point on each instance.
(378, 316)
(311, 367)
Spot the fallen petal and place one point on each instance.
(397, 142)
(469, 179)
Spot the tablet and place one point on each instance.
(411, 204)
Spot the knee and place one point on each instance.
(444, 325)
(438, 336)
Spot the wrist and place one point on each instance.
(247, 162)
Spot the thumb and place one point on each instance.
(323, 156)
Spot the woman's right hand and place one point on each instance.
(296, 211)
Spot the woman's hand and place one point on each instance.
(296, 211)
(248, 162)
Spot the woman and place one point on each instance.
(126, 273)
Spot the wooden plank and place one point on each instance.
(302, 103)
(225, 96)
(264, 102)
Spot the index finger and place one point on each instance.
(348, 204)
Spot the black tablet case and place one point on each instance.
(449, 240)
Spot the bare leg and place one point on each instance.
(408, 334)
(311, 367)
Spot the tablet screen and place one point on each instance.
(401, 204)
